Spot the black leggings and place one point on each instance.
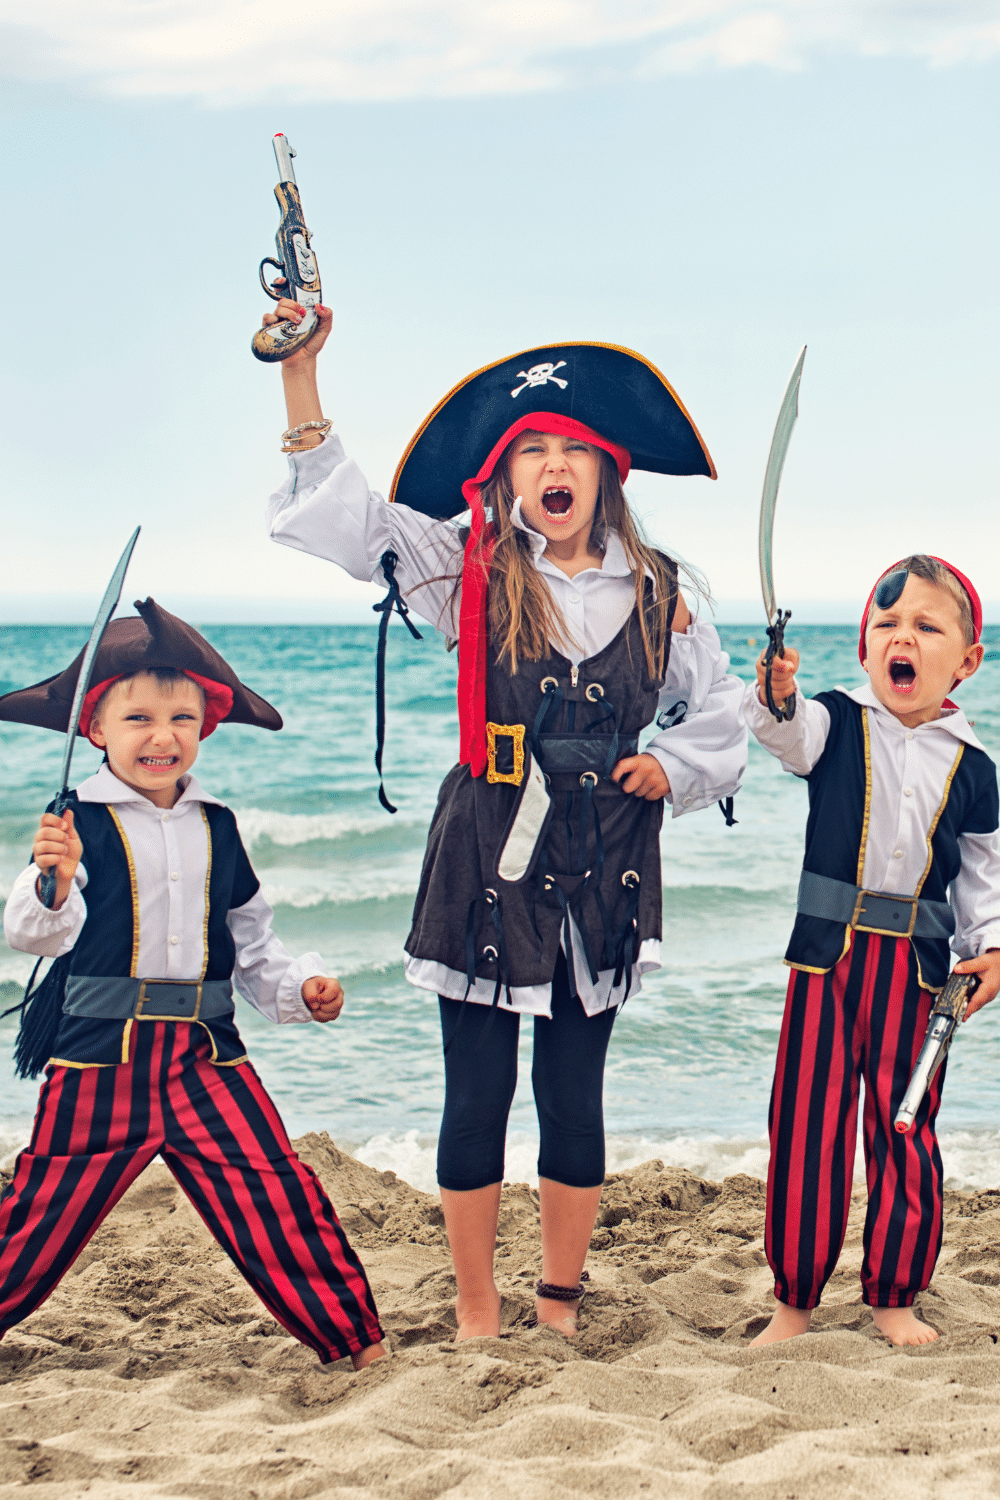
(567, 1075)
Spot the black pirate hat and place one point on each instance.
(141, 643)
(610, 390)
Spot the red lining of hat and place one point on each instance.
(472, 629)
(218, 702)
(547, 421)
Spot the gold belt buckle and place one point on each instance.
(159, 1016)
(859, 908)
(516, 733)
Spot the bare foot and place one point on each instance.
(786, 1323)
(558, 1315)
(369, 1356)
(900, 1325)
(478, 1317)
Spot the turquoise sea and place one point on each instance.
(690, 1061)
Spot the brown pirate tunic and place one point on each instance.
(599, 858)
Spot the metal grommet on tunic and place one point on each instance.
(630, 879)
(490, 952)
(593, 691)
(589, 776)
(548, 684)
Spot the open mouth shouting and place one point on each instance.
(557, 503)
(902, 674)
(158, 762)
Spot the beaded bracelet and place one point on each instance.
(292, 439)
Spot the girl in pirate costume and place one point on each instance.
(540, 890)
(157, 914)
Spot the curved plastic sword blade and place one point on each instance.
(109, 603)
(48, 882)
(772, 479)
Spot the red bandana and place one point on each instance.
(472, 633)
(218, 702)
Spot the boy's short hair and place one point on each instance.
(167, 677)
(930, 569)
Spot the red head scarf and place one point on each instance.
(218, 702)
(472, 633)
(974, 600)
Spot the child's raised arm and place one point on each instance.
(783, 670)
(798, 743)
(298, 371)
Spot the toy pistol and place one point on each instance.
(949, 1008)
(295, 262)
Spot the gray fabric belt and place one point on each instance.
(117, 999)
(870, 911)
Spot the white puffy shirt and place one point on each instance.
(910, 769)
(170, 854)
(327, 509)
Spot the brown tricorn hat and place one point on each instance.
(139, 643)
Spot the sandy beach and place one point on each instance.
(153, 1370)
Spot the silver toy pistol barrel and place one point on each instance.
(949, 1007)
(283, 154)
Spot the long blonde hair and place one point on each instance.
(522, 615)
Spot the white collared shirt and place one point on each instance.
(169, 848)
(910, 770)
(326, 508)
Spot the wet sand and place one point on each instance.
(154, 1371)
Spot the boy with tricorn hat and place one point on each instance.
(157, 914)
(901, 839)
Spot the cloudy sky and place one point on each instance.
(712, 182)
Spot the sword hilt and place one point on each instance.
(48, 880)
(776, 637)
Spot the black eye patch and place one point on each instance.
(890, 588)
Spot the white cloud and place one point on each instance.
(226, 52)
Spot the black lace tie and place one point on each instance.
(392, 601)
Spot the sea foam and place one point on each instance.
(970, 1157)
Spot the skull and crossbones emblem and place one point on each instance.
(539, 375)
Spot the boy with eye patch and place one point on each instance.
(901, 860)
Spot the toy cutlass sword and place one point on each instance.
(776, 618)
(113, 592)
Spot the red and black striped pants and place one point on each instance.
(221, 1136)
(865, 1020)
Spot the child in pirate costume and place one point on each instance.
(540, 893)
(901, 837)
(157, 914)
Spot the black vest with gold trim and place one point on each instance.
(108, 943)
(840, 791)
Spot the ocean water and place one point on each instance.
(690, 1062)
